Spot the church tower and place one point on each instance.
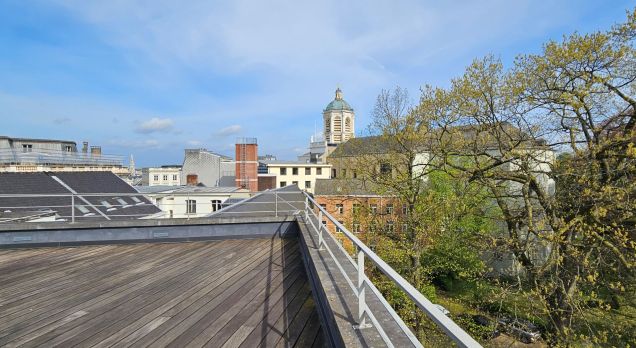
(339, 120)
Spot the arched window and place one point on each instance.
(347, 127)
(327, 126)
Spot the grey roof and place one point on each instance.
(38, 140)
(293, 163)
(364, 146)
(91, 188)
(282, 201)
(469, 134)
(186, 189)
(345, 187)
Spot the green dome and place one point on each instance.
(338, 103)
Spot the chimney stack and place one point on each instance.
(96, 151)
(85, 147)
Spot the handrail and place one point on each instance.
(451, 329)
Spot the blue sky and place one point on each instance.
(151, 78)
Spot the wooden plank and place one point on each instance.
(173, 305)
(49, 282)
(158, 293)
(274, 286)
(255, 322)
(294, 327)
(193, 313)
(62, 270)
(319, 342)
(96, 280)
(288, 306)
(118, 311)
(125, 336)
(94, 298)
(310, 333)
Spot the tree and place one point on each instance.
(569, 221)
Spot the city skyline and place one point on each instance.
(153, 80)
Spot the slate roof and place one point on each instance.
(87, 185)
(344, 187)
(468, 136)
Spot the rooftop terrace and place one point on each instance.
(264, 272)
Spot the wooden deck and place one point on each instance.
(232, 293)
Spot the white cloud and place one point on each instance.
(230, 130)
(155, 125)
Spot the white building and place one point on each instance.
(297, 173)
(192, 201)
(164, 175)
(49, 155)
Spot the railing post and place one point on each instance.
(320, 228)
(72, 208)
(362, 304)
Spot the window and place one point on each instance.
(155, 177)
(389, 209)
(389, 226)
(174, 177)
(338, 228)
(191, 206)
(27, 148)
(356, 208)
(324, 223)
(333, 173)
(165, 177)
(307, 171)
(283, 171)
(283, 183)
(318, 171)
(216, 204)
(356, 227)
(405, 227)
(324, 206)
(307, 184)
(171, 214)
(294, 171)
(374, 209)
(355, 174)
(68, 148)
(339, 208)
(385, 168)
(122, 202)
(82, 209)
(295, 183)
(405, 209)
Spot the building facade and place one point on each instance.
(41, 155)
(191, 201)
(164, 175)
(201, 166)
(304, 175)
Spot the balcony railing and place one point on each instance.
(54, 157)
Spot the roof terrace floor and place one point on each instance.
(232, 293)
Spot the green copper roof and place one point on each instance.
(338, 103)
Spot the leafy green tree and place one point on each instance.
(569, 221)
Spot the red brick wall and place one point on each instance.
(250, 163)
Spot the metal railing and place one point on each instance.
(279, 205)
(450, 328)
(41, 156)
(70, 207)
(79, 206)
